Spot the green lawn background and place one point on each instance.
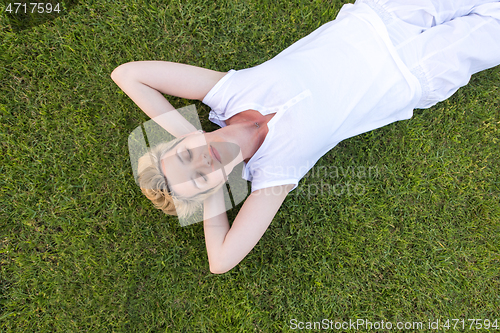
(81, 250)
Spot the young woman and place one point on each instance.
(371, 66)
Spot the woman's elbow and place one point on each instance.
(117, 73)
(214, 271)
(220, 267)
(121, 72)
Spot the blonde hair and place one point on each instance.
(154, 184)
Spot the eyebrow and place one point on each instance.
(179, 156)
(195, 185)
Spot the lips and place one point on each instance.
(215, 154)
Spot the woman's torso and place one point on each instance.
(341, 80)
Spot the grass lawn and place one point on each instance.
(398, 224)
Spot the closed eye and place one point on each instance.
(196, 180)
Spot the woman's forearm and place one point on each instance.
(151, 101)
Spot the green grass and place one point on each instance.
(82, 250)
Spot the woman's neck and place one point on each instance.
(247, 129)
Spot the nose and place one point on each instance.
(203, 160)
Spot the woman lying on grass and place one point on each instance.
(371, 66)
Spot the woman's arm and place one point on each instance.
(226, 247)
(145, 82)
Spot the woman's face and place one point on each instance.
(198, 163)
